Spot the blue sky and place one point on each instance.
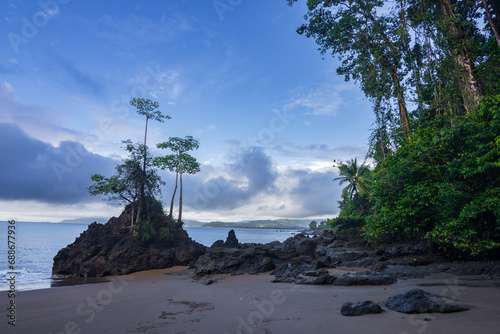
(271, 114)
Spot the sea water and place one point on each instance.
(36, 244)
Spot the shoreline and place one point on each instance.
(169, 300)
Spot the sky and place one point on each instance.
(269, 110)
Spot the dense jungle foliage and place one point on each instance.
(432, 72)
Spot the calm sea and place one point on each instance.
(37, 243)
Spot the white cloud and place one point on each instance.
(35, 211)
(208, 128)
(323, 100)
(38, 122)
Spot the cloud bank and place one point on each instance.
(35, 170)
(250, 185)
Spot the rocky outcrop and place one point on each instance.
(305, 259)
(110, 249)
(420, 301)
(301, 259)
(360, 308)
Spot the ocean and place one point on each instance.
(36, 244)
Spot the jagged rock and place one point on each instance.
(299, 260)
(218, 243)
(291, 272)
(252, 259)
(360, 308)
(231, 240)
(316, 272)
(420, 301)
(110, 249)
(363, 279)
(403, 249)
(208, 280)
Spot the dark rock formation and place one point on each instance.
(300, 260)
(252, 259)
(420, 301)
(231, 240)
(366, 307)
(303, 259)
(110, 249)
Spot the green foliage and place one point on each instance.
(347, 223)
(156, 226)
(437, 174)
(125, 185)
(321, 226)
(443, 185)
(356, 204)
(358, 178)
(148, 108)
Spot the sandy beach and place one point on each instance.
(170, 301)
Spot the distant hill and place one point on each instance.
(85, 221)
(276, 224)
(192, 223)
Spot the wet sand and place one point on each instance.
(169, 301)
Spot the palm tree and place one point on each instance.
(357, 177)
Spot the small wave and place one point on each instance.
(23, 279)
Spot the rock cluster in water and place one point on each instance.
(110, 249)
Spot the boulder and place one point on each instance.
(420, 301)
(360, 308)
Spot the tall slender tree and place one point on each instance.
(148, 108)
(492, 12)
(469, 83)
(369, 44)
(179, 162)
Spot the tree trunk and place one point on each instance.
(143, 181)
(173, 196)
(494, 23)
(404, 119)
(180, 192)
(469, 84)
(398, 89)
(132, 218)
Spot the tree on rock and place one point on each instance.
(131, 179)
